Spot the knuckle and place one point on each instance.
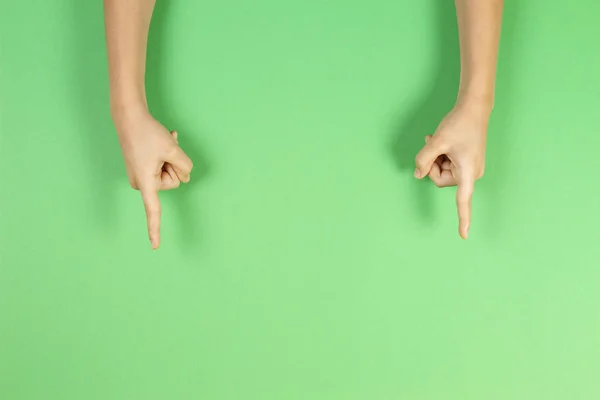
(187, 164)
(481, 173)
(420, 159)
(133, 184)
(171, 150)
(439, 141)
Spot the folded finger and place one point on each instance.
(181, 164)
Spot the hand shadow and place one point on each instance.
(156, 88)
(88, 84)
(422, 119)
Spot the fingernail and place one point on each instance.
(417, 173)
(153, 244)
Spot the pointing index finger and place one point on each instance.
(464, 194)
(153, 213)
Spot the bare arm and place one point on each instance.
(479, 24)
(455, 154)
(152, 155)
(127, 24)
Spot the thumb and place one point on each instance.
(427, 157)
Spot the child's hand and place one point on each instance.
(455, 155)
(154, 162)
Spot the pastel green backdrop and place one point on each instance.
(303, 262)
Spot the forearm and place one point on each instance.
(127, 24)
(479, 23)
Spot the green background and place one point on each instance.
(304, 261)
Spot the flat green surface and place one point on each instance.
(303, 262)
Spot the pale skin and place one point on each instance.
(153, 158)
(453, 156)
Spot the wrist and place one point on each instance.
(123, 112)
(127, 98)
(476, 91)
(480, 101)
